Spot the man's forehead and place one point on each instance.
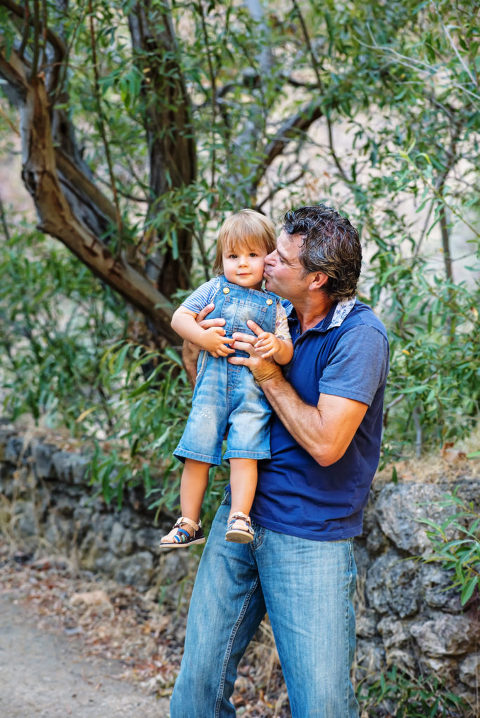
(288, 245)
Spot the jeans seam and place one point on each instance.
(347, 623)
(228, 651)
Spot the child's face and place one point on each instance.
(244, 266)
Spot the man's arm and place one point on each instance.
(325, 430)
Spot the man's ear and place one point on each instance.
(318, 281)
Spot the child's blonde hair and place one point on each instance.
(246, 228)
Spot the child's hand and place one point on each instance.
(266, 345)
(216, 343)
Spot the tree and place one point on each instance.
(144, 122)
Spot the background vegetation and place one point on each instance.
(141, 124)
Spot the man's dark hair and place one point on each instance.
(330, 245)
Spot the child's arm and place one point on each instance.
(268, 345)
(213, 340)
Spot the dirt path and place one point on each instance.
(75, 644)
(43, 675)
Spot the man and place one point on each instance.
(325, 443)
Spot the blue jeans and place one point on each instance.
(306, 587)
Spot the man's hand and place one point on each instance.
(262, 369)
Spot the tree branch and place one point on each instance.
(293, 127)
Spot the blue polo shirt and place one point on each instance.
(345, 355)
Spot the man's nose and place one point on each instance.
(270, 258)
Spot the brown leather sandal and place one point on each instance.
(239, 528)
(179, 537)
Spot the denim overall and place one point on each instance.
(226, 396)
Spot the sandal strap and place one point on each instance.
(189, 522)
(240, 516)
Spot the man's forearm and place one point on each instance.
(325, 430)
(302, 421)
(190, 354)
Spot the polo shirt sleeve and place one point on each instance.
(358, 365)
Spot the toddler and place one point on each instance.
(226, 396)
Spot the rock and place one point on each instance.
(445, 669)
(369, 661)
(121, 540)
(392, 585)
(438, 593)
(393, 632)
(399, 508)
(59, 532)
(366, 623)
(469, 671)
(446, 635)
(91, 598)
(13, 449)
(135, 570)
(70, 467)
(43, 460)
(149, 538)
(401, 659)
(25, 518)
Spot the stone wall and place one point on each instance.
(407, 613)
(47, 505)
(407, 616)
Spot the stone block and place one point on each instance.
(393, 632)
(42, 455)
(446, 635)
(70, 468)
(13, 449)
(136, 570)
(369, 661)
(366, 623)
(392, 585)
(121, 540)
(469, 671)
(437, 591)
(399, 508)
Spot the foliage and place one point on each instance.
(404, 696)
(456, 544)
(371, 107)
(149, 419)
(55, 320)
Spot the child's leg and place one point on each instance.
(192, 488)
(243, 483)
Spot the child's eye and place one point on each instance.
(232, 256)
(254, 254)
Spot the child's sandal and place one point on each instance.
(239, 528)
(179, 537)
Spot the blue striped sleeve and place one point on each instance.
(202, 296)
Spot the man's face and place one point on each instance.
(283, 272)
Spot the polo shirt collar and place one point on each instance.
(334, 318)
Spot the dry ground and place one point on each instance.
(73, 644)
